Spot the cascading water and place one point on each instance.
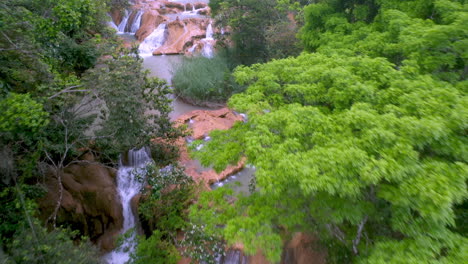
(136, 22)
(209, 32)
(123, 24)
(207, 50)
(153, 41)
(128, 185)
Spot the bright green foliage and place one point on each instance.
(344, 141)
(199, 80)
(155, 250)
(21, 114)
(420, 36)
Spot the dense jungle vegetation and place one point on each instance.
(66, 86)
(357, 126)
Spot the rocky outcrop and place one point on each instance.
(90, 202)
(186, 25)
(181, 34)
(201, 123)
(303, 249)
(149, 21)
(116, 15)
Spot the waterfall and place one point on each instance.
(207, 50)
(122, 24)
(153, 41)
(112, 25)
(234, 257)
(192, 49)
(209, 32)
(128, 185)
(136, 22)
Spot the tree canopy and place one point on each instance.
(362, 141)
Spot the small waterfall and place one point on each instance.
(122, 24)
(209, 32)
(153, 41)
(192, 49)
(207, 50)
(128, 185)
(112, 25)
(136, 22)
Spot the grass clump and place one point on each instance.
(205, 81)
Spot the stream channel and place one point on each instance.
(128, 186)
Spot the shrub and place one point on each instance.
(205, 81)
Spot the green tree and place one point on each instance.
(253, 24)
(350, 148)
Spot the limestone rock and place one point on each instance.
(149, 21)
(201, 122)
(180, 34)
(90, 201)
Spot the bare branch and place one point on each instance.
(358, 235)
(71, 89)
(336, 232)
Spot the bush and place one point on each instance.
(205, 81)
(40, 246)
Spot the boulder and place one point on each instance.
(204, 11)
(149, 21)
(200, 5)
(90, 202)
(175, 5)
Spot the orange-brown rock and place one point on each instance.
(199, 5)
(303, 249)
(90, 202)
(205, 121)
(149, 21)
(202, 123)
(204, 11)
(180, 33)
(116, 15)
(176, 5)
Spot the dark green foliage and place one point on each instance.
(201, 80)
(253, 25)
(136, 106)
(65, 87)
(202, 247)
(164, 204)
(40, 246)
(163, 213)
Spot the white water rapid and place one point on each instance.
(153, 41)
(128, 185)
(136, 22)
(123, 24)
